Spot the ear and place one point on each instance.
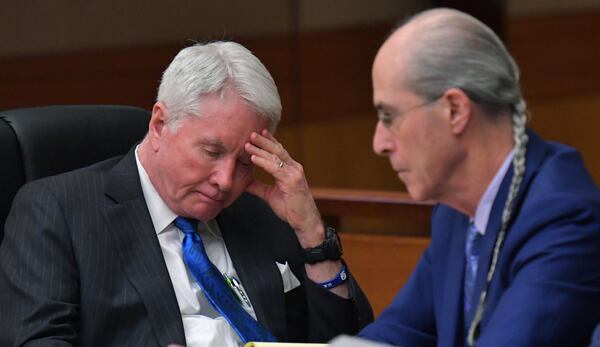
(459, 109)
(157, 125)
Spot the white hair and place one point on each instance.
(205, 69)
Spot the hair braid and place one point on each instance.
(519, 119)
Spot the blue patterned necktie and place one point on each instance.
(472, 250)
(214, 287)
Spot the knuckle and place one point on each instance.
(297, 177)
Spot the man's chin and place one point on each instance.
(206, 213)
(206, 210)
(417, 194)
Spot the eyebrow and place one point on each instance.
(382, 106)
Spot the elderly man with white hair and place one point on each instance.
(176, 242)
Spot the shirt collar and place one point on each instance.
(482, 213)
(160, 213)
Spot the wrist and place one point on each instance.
(312, 237)
(340, 278)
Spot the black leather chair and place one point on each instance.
(44, 141)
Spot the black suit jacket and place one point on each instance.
(81, 264)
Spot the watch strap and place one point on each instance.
(330, 249)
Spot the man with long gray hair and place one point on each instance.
(165, 245)
(515, 250)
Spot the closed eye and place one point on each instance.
(385, 118)
(212, 153)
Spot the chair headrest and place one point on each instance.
(44, 141)
(56, 139)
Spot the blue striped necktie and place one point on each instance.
(472, 250)
(214, 287)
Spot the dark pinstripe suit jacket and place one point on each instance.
(81, 264)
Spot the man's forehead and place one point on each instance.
(388, 68)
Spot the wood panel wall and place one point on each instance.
(558, 56)
(324, 81)
(382, 263)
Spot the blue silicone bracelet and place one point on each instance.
(340, 278)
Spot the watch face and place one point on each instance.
(330, 249)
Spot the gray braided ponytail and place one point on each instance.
(519, 119)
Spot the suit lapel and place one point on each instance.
(136, 243)
(256, 268)
(450, 331)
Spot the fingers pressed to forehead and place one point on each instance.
(280, 150)
(269, 144)
(269, 165)
(267, 134)
(254, 150)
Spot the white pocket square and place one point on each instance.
(289, 280)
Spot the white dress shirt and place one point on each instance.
(203, 325)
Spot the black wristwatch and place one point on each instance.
(330, 249)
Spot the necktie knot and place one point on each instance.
(187, 225)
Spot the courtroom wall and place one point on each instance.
(40, 27)
(319, 53)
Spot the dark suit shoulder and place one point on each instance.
(563, 174)
(73, 191)
(74, 176)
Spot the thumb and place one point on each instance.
(259, 189)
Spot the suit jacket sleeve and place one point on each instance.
(38, 275)
(312, 314)
(330, 315)
(315, 314)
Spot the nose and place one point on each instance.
(381, 140)
(223, 174)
